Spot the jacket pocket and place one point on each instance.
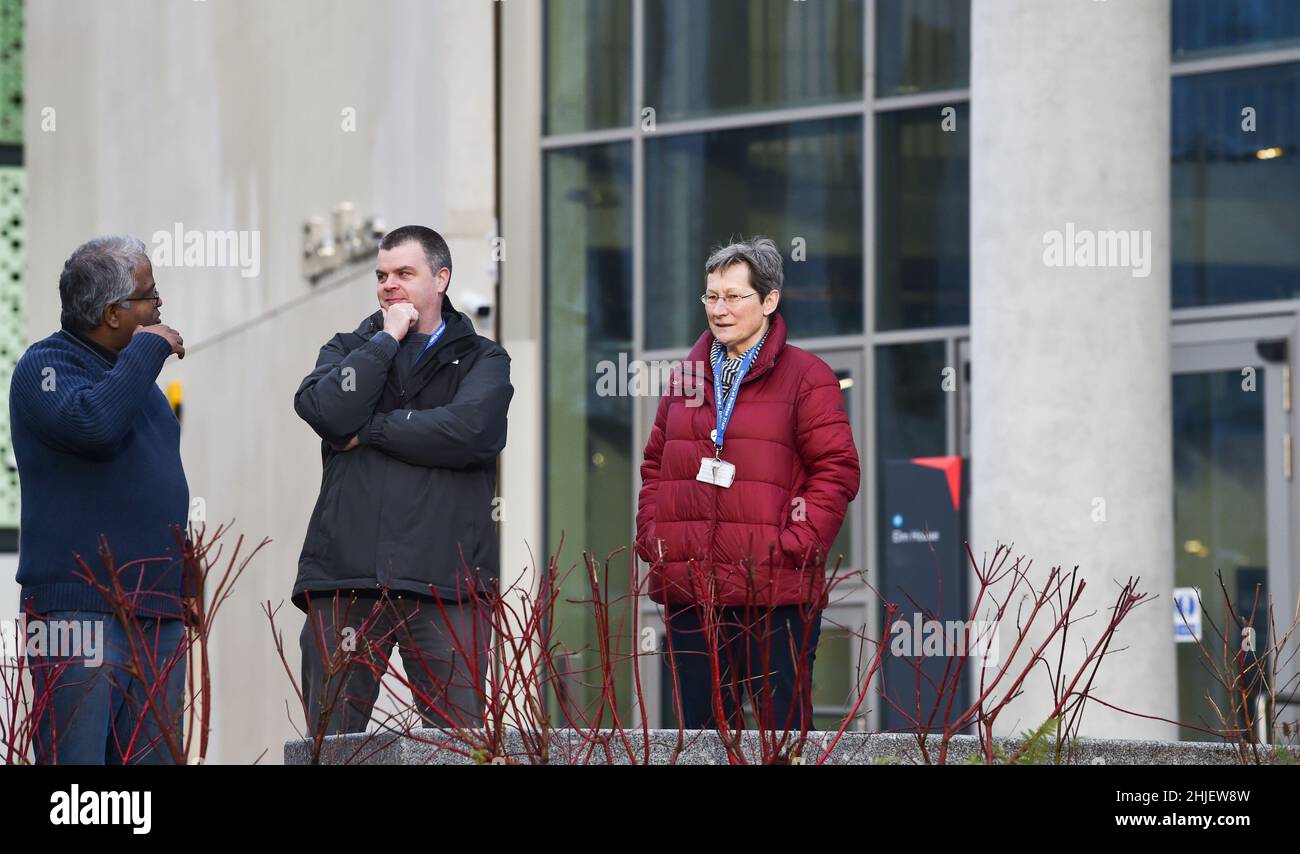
(792, 549)
(645, 543)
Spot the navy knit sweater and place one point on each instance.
(98, 451)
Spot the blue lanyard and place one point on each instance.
(433, 339)
(725, 407)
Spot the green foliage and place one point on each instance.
(1040, 745)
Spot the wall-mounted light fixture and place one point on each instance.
(346, 242)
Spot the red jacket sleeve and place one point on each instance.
(824, 441)
(646, 546)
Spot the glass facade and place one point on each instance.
(799, 184)
(588, 65)
(805, 181)
(1220, 518)
(923, 218)
(724, 56)
(1235, 179)
(1204, 28)
(866, 190)
(921, 46)
(911, 411)
(589, 455)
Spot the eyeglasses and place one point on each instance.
(732, 300)
(153, 297)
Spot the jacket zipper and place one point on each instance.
(713, 531)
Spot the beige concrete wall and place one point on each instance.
(228, 115)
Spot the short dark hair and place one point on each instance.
(435, 248)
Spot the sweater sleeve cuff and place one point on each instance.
(382, 344)
(152, 349)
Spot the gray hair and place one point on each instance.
(97, 274)
(759, 254)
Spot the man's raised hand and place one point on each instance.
(399, 319)
(173, 337)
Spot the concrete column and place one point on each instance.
(1070, 359)
(521, 487)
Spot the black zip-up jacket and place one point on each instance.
(409, 508)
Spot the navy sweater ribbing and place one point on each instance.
(98, 450)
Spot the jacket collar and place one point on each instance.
(99, 350)
(699, 356)
(458, 326)
(457, 341)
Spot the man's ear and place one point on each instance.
(444, 281)
(111, 319)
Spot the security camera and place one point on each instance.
(477, 305)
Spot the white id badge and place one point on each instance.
(717, 472)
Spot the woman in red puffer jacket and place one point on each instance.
(736, 527)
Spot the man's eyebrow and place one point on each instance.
(403, 268)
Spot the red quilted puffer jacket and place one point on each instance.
(754, 542)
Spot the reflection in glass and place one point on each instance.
(1220, 520)
(799, 184)
(1236, 191)
(921, 46)
(835, 674)
(589, 458)
(910, 411)
(588, 64)
(842, 549)
(923, 218)
(1214, 27)
(706, 58)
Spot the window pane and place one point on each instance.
(589, 460)
(799, 184)
(1236, 192)
(834, 671)
(923, 218)
(910, 401)
(1213, 27)
(588, 64)
(910, 413)
(729, 55)
(1220, 518)
(922, 45)
(840, 560)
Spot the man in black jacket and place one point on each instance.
(411, 410)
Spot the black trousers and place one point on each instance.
(348, 637)
(764, 660)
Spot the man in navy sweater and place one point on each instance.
(98, 450)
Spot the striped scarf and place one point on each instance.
(732, 365)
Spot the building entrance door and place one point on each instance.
(1233, 517)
